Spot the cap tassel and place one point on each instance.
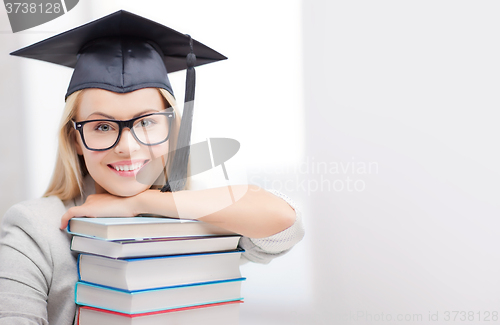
(178, 173)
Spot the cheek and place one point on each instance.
(93, 159)
(160, 150)
(160, 155)
(155, 168)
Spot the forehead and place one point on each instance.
(120, 106)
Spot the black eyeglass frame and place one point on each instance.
(125, 124)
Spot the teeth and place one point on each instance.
(127, 168)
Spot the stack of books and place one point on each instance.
(148, 270)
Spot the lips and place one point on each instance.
(128, 167)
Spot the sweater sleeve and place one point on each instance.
(24, 271)
(263, 250)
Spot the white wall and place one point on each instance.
(412, 87)
(13, 180)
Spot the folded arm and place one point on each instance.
(245, 209)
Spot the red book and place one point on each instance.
(225, 313)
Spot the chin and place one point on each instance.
(127, 191)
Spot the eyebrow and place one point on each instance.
(113, 118)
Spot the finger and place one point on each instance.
(72, 212)
(64, 221)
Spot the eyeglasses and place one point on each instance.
(104, 134)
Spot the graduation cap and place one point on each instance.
(123, 52)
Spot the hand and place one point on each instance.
(102, 205)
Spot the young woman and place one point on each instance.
(116, 138)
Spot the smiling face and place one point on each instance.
(130, 167)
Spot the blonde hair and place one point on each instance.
(70, 170)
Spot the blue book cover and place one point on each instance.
(159, 271)
(157, 299)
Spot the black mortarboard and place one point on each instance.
(123, 52)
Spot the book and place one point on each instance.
(153, 246)
(144, 301)
(142, 227)
(226, 313)
(156, 272)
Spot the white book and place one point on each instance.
(142, 227)
(156, 272)
(145, 301)
(217, 314)
(153, 246)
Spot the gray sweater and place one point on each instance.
(38, 271)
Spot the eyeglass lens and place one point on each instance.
(149, 130)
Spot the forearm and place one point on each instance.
(254, 212)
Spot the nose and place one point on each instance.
(127, 143)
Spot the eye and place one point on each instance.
(103, 127)
(146, 123)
